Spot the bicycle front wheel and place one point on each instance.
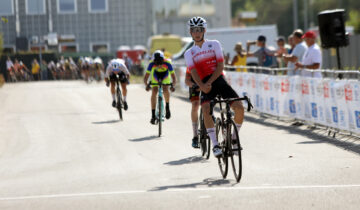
(223, 160)
(119, 103)
(234, 147)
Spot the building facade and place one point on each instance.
(79, 25)
(100, 25)
(171, 15)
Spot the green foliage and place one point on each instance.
(280, 12)
(354, 20)
(1, 43)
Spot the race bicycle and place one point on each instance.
(119, 99)
(159, 111)
(225, 127)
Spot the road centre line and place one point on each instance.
(178, 190)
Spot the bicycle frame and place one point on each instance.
(159, 113)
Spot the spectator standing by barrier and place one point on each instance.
(291, 43)
(240, 58)
(264, 54)
(35, 70)
(281, 51)
(296, 54)
(312, 58)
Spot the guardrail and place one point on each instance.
(323, 101)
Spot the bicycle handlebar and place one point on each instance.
(229, 100)
(150, 83)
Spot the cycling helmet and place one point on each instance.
(197, 22)
(158, 57)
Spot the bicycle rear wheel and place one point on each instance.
(119, 102)
(235, 152)
(223, 160)
(204, 138)
(160, 114)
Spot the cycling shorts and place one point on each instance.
(163, 76)
(122, 77)
(193, 95)
(218, 87)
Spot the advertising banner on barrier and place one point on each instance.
(333, 103)
(352, 99)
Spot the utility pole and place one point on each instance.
(39, 42)
(295, 14)
(306, 15)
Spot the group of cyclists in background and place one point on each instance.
(87, 68)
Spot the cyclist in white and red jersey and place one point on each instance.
(206, 63)
(117, 67)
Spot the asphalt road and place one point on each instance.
(62, 147)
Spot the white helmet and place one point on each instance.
(158, 54)
(197, 22)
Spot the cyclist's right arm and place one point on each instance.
(148, 72)
(188, 81)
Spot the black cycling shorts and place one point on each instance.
(122, 77)
(193, 94)
(218, 87)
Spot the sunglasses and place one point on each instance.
(197, 30)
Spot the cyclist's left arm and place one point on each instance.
(171, 71)
(124, 69)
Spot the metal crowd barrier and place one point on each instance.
(333, 75)
(346, 74)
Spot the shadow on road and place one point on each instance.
(209, 182)
(317, 135)
(188, 160)
(106, 122)
(147, 138)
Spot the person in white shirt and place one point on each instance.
(296, 54)
(312, 57)
(117, 67)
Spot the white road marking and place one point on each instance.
(178, 190)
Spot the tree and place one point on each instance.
(280, 11)
(1, 44)
(354, 20)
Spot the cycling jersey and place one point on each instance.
(162, 72)
(204, 59)
(122, 68)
